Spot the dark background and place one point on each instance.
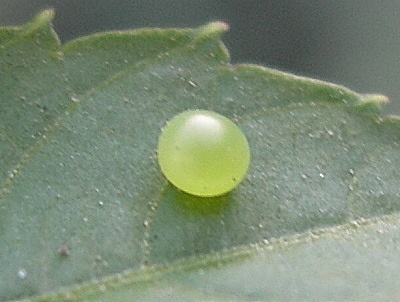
(348, 42)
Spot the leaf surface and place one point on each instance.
(86, 215)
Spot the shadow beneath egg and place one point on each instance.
(202, 205)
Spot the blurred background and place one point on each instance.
(353, 43)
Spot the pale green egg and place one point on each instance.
(203, 153)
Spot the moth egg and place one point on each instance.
(203, 153)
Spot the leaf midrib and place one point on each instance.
(155, 272)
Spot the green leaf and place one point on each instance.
(86, 215)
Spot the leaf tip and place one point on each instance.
(214, 29)
(43, 18)
(40, 21)
(373, 103)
